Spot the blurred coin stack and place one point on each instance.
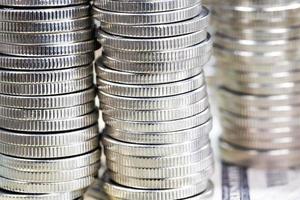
(257, 47)
(48, 119)
(153, 98)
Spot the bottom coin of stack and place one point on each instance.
(96, 192)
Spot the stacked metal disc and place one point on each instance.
(48, 119)
(258, 59)
(153, 98)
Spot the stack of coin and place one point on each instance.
(257, 49)
(48, 119)
(153, 98)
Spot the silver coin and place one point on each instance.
(199, 50)
(48, 102)
(49, 151)
(47, 114)
(198, 23)
(46, 14)
(46, 38)
(148, 150)
(255, 132)
(159, 44)
(42, 89)
(6, 195)
(159, 161)
(268, 89)
(42, 188)
(151, 90)
(49, 139)
(160, 173)
(146, 18)
(41, 3)
(49, 176)
(144, 6)
(50, 125)
(256, 46)
(260, 158)
(258, 2)
(260, 112)
(258, 33)
(271, 122)
(45, 63)
(45, 26)
(158, 184)
(155, 67)
(12, 76)
(257, 100)
(154, 115)
(260, 77)
(261, 59)
(267, 16)
(122, 192)
(160, 138)
(57, 164)
(150, 103)
(62, 49)
(261, 144)
(141, 78)
(160, 126)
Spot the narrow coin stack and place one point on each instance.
(257, 48)
(153, 98)
(48, 119)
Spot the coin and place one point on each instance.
(153, 98)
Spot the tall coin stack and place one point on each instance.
(257, 46)
(48, 120)
(153, 98)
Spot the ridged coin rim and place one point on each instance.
(198, 23)
(144, 6)
(146, 18)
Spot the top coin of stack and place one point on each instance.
(153, 98)
(48, 119)
(257, 49)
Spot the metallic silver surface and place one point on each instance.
(198, 23)
(46, 14)
(257, 51)
(45, 63)
(45, 26)
(49, 134)
(42, 188)
(153, 98)
(122, 192)
(48, 102)
(41, 3)
(151, 90)
(147, 18)
(58, 164)
(144, 6)
(5, 195)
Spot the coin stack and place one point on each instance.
(153, 98)
(48, 119)
(257, 46)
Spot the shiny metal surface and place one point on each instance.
(49, 134)
(257, 51)
(153, 97)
